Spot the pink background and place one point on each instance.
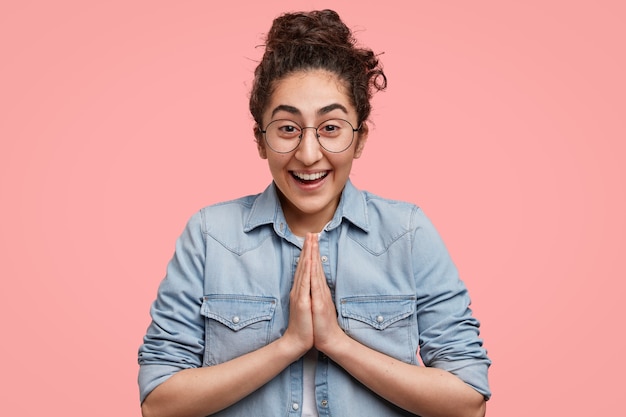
(505, 121)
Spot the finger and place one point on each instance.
(315, 256)
(302, 277)
(318, 278)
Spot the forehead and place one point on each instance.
(309, 92)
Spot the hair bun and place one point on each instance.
(317, 28)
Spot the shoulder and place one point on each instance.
(226, 216)
(397, 220)
(226, 213)
(388, 221)
(392, 213)
(374, 200)
(228, 223)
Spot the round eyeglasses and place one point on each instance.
(334, 135)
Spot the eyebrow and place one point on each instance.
(288, 109)
(294, 110)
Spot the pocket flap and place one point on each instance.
(378, 311)
(238, 311)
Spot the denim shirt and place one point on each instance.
(226, 293)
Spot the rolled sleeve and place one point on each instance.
(175, 338)
(449, 334)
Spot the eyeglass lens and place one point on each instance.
(335, 135)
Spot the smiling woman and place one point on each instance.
(312, 298)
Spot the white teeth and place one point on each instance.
(310, 177)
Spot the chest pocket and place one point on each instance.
(387, 324)
(235, 325)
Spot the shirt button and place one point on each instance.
(380, 319)
(324, 258)
(324, 403)
(295, 406)
(236, 319)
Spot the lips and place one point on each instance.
(305, 177)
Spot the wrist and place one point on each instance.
(290, 349)
(336, 346)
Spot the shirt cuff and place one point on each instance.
(470, 371)
(151, 376)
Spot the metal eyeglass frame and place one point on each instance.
(317, 135)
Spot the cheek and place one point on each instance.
(276, 162)
(343, 164)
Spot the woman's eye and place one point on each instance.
(329, 130)
(287, 129)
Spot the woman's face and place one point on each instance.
(310, 179)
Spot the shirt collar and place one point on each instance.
(266, 210)
(352, 207)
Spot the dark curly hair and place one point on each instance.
(316, 40)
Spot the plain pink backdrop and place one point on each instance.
(505, 121)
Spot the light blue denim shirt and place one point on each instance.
(226, 293)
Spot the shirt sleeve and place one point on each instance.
(175, 338)
(449, 334)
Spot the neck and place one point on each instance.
(300, 223)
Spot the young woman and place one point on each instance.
(312, 298)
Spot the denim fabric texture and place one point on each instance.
(226, 293)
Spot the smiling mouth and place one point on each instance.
(309, 178)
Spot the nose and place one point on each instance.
(309, 150)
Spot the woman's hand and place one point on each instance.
(326, 330)
(300, 328)
(312, 313)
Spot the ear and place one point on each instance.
(360, 140)
(260, 144)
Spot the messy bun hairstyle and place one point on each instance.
(316, 40)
